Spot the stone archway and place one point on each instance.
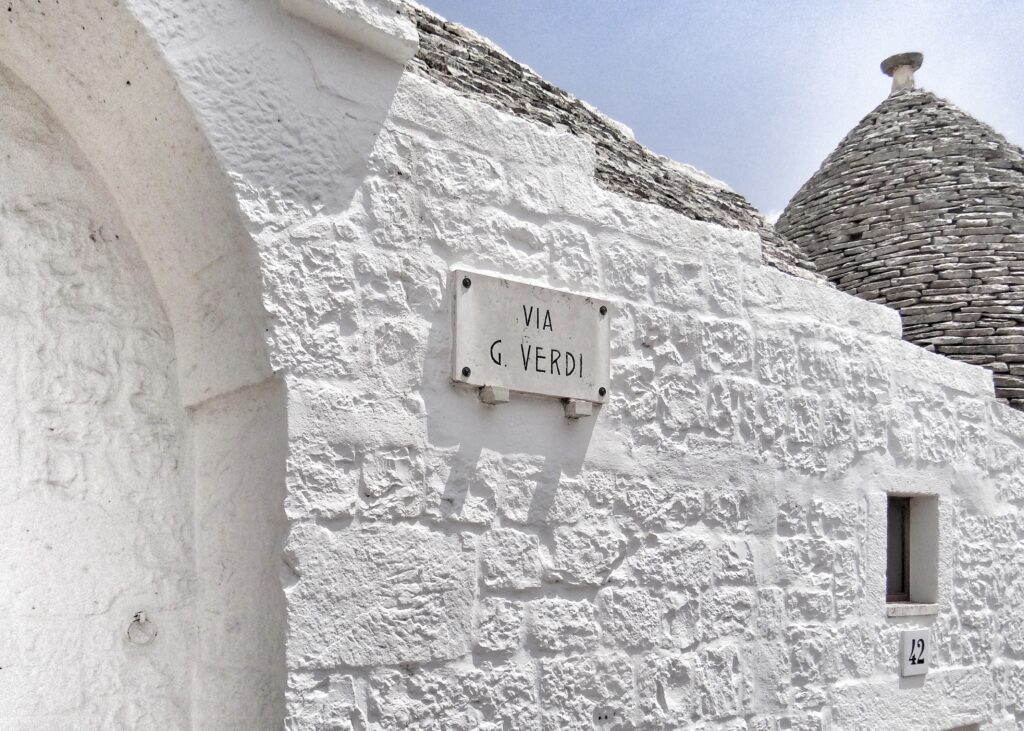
(107, 93)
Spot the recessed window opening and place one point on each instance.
(897, 573)
(912, 550)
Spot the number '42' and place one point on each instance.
(916, 652)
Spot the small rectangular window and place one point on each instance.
(912, 549)
(897, 575)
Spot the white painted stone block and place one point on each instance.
(383, 594)
(377, 24)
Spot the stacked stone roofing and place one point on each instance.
(921, 207)
(464, 61)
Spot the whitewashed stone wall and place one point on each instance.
(144, 171)
(708, 551)
(96, 521)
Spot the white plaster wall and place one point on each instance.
(109, 86)
(105, 81)
(705, 552)
(97, 506)
(240, 448)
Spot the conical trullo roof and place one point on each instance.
(921, 208)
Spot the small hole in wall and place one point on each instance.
(857, 236)
(604, 716)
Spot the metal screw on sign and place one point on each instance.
(466, 281)
(602, 391)
(466, 371)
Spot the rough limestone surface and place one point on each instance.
(921, 208)
(97, 516)
(706, 551)
(383, 595)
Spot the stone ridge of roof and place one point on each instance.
(470, 64)
(921, 208)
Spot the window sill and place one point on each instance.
(910, 609)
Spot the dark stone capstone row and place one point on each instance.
(921, 208)
(463, 61)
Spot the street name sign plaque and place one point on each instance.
(529, 339)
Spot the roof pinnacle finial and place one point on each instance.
(901, 68)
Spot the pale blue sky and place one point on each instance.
(758, 93)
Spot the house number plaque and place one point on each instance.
(915, 652)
